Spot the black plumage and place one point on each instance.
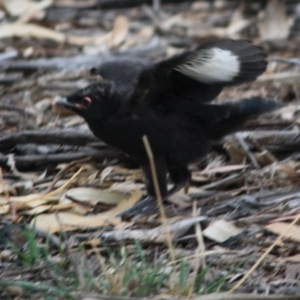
(168, 102)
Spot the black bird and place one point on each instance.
(168, 102)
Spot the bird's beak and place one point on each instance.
(65, 103)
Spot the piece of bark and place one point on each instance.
(275, 141)
(9, 78)
(8, 55)
(266, 124)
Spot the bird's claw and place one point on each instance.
(147, 206)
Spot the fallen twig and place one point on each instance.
(220, 184)
(283, 77)
(247, 151)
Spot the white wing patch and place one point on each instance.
(212, 65)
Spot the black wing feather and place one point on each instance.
(166, 85)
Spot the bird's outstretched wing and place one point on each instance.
(226, 62)
(199, 75)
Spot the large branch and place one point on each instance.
(43, 160)
(273, 140)
(106, 4)
(62, 137)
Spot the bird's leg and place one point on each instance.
(180, 176)
(161, 173)
(149, 205)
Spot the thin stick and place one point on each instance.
(64, 185)
(247, 150)
(153, 168)
(259, 261)
(158, 195)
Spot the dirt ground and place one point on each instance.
(57, 177)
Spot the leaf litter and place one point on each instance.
(244, 194)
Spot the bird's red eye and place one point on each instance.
(87, 101)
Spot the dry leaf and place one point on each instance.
(30, 30)
(4, 209)
(105, 173)
(39, 32)
(181, 199)
(26, 9)
(37, 210)
(294, 258)
(85, 40)
(198, 177)
(221, 230)
(49, 208)
(126, 187)
(33, 200)
(237, 24)
(111, 39)
(280, 227)
(69, 221)
(274, 23)
(92, 196)
(119, 31)
(126, 204)
(4, 200)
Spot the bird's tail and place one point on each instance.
(220, 120)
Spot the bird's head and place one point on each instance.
(97, 100)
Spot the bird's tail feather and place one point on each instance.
(224, 119)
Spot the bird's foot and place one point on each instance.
(147, 206)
